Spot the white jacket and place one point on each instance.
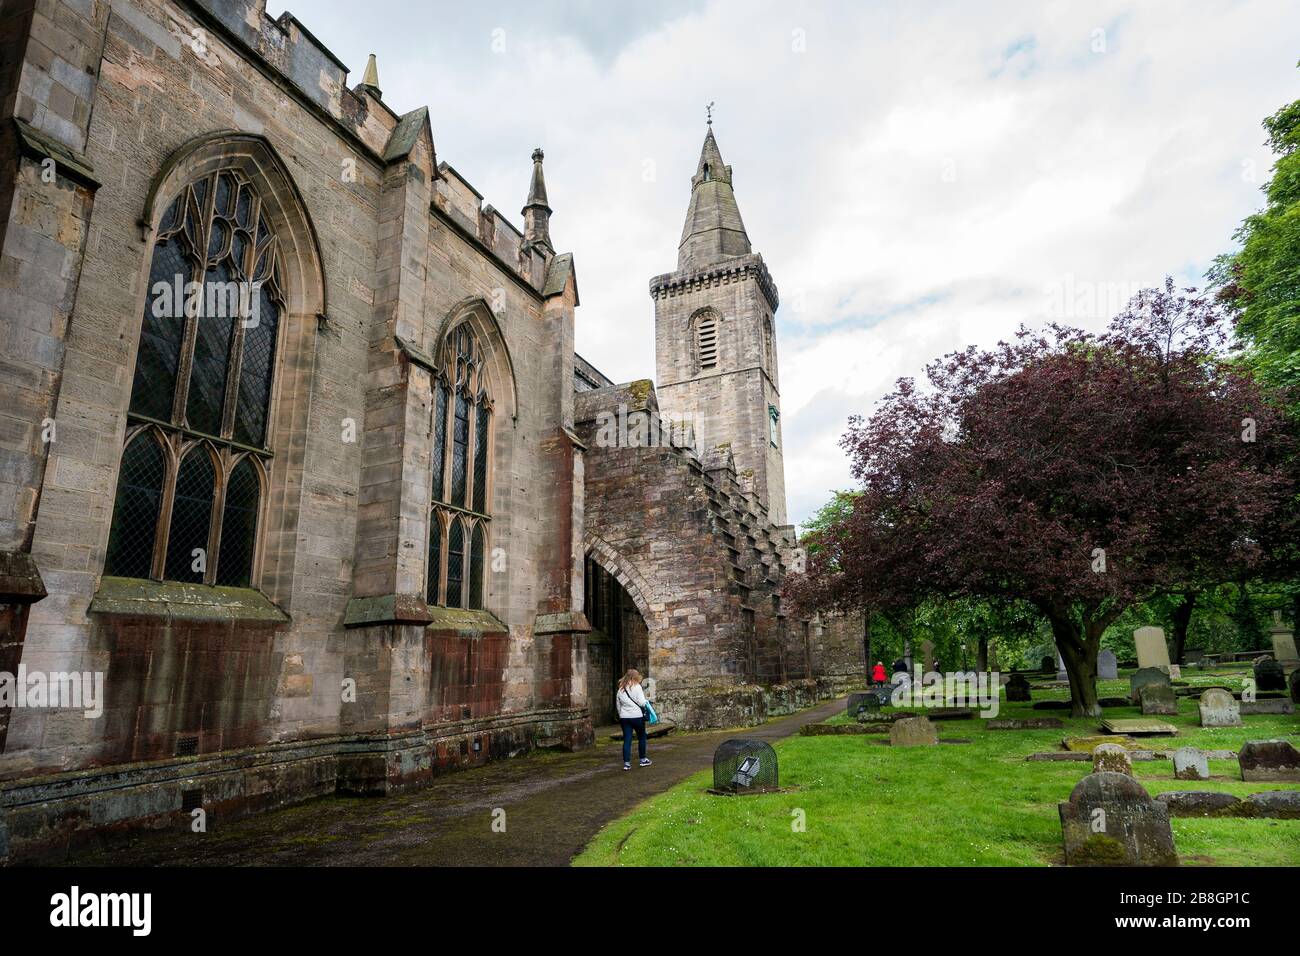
(630, 701)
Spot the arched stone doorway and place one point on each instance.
(619, 637)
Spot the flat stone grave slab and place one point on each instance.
(837, 730)
(1088, 744)
(1110, 820)
(1137, 725)
(1274, 705)
(1051, 705)
(1024, 723)
(1114, 702)
(1200, 803)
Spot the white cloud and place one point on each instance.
(921, 178)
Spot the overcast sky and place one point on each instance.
(917, 176)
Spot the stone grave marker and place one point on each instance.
(1018, 689)
(1152, 651)
(1061, 673)
(1284, 651)
(1268, 760)
(1158, 700)
(1107, 665)
(1281, 804)
(1024, 723)
(1088, 744)
(1175, 671)
(1271, 705)
(1295, 686)
(1219, 709)
(913, 732)
(1046, 665)
(1269, 675)
(1190, 764)
(927, 653)
(1110, 820)
(1111, 758)
(1200, 803)
(1137, 725)
(1143, 676)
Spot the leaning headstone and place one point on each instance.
(1107, 665)
(1143, 676)
(1269, 675)
(1018, 689)
(1152, 651)
(1219, 709)
(1111, 758)
(1110, 820)
(1268, 760)
(1190, 764)
(913, 732)
(1158, 700)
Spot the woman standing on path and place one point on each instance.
(630, 701)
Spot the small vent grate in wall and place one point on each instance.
(187, 746)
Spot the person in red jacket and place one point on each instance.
(878, 673)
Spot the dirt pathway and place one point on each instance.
(554, 803)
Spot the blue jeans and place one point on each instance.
(630, 724)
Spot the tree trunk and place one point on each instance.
(1182, 620)
(1079, 648)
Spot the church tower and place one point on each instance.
(715, 336)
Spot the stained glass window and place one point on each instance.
(462, 458)
(204, 373)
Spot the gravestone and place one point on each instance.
(1219, 709)
(1190, 764)
(1107, 665)
(1152, 651)
(927, 654)
(1111, 758)
(1268, 760)
(1175, 672)
(1137, 725)
(1280, 804)
(1046, 665)
(1110, 820)
(1158, 700)
(1200, 803)
(1018, 689)
(1284, 651)
(913, 732)
(1269, 675)
(1273, 705)
(1061, 673)
(1089, 744)
(1024, 723)
(1141, 678)
(1295, 687)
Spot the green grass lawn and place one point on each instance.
(864, 803)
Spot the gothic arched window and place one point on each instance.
(196, 452)
(459, 519)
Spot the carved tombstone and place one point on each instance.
(1110, 820)
(1111, 758)
(1219, 709)
(1158, 700)
(1107, 665)
(1152, 651)
(1190, 764)
(1141, 678)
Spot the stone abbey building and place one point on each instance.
(303, 488)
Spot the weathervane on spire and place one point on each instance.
(709, 110)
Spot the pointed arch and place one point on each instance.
(282, 203)
(642, 594)
(487, 328)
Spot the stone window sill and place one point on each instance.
(136, 597)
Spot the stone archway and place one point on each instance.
(616, 604)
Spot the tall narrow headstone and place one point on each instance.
(1284, 651)
(1152, 651)
(1107, 665)
(1061, 674)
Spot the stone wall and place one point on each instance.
(333, 672)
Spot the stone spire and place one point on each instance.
(714, 230)
(537, 214)
(370, 79)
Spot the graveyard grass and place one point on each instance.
(865, 803)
